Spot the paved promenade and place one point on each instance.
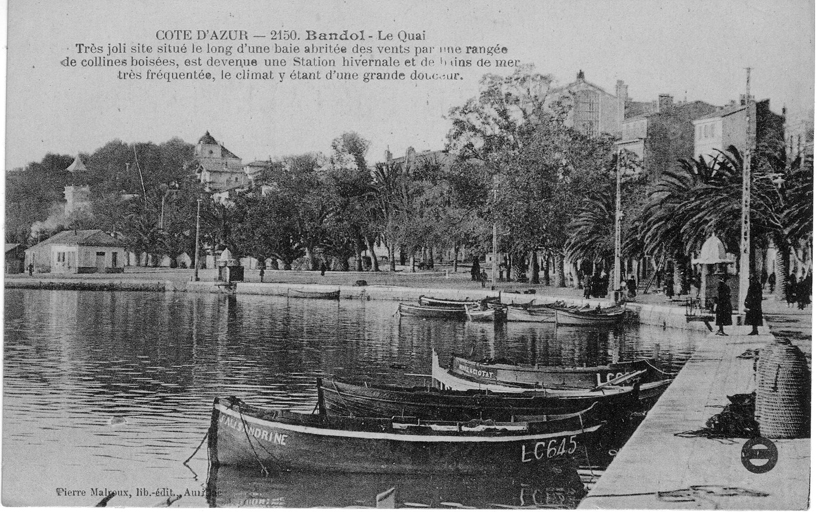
(660, 467)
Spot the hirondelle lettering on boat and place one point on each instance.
(549, 449)
(256, 432)
(474, 370)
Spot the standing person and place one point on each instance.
(475, 269)
(791, 290)
(588, 285)
(803, 291)
(772, 281)
(764, 276)
(754, 304)
(631, 287)
(670, 285)
(323, 268)
(30, 269)
(723, 306)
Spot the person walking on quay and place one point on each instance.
(754, 304)
(791, 290)
(723, 306)
(772, 281)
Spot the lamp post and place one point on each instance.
(493, 266)
(196, 252)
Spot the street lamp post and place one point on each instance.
(196, 252)
(493, 267)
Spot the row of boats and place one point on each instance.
(477, 417)
(491, 309)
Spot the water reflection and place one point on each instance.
(114, 389)
(559, 485)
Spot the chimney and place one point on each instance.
(387, 156)
(664, 102)
(742, 100)
(580, 75)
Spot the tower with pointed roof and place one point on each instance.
(77, 194)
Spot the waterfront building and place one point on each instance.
(15, 258)
(81, 251)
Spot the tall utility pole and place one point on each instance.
(198, 224)
(745, 223)
(493, 267)
(617, 267)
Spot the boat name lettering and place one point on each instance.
(549, 449)
(256, 432)
(476, 371)
(610, 376)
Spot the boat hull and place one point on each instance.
(528, 314)
(241, 435)
(452, 313)
(435, 302)
(588, 317)
(346, 399)
(312, 294)
(548, 376)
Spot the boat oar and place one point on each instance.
(619, 380)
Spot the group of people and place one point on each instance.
(798, 291)
(753, 305)
(595, 285)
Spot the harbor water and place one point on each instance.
(110, 392)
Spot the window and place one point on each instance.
(113, 259)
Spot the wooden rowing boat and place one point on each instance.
(446, 379)
(550, 376)
(450, 312)
(433, 301)
(314, 294)
(350, 399)
(530, 313)
(589, 316)
(491, 314)
(244, 435)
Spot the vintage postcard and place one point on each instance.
(527, 254)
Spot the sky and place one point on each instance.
(694, 50)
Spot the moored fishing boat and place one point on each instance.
(589, 316)
(345, 398)
(244, 435)
(446, 379)
(451, 312)
(545, 376)
(489, 314)
(314, 294)
(433, 301)
(530, 313)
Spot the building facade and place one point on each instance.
(663, 137)
(593, 110)
(217, 167)
(78, 252)
(727, 127)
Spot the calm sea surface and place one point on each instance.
(112, 391)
